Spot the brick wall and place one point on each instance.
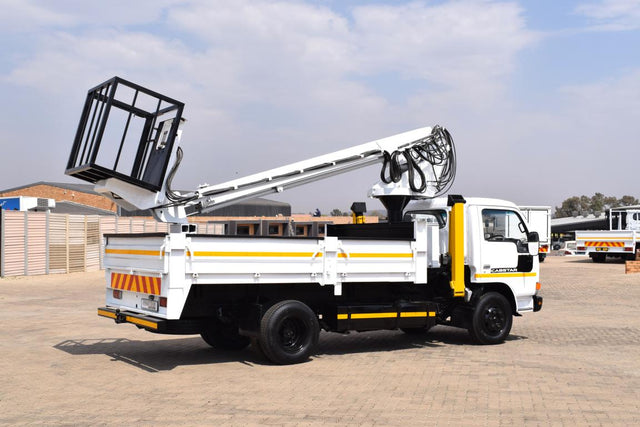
(61, 194)
(632, 267)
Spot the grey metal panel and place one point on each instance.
(92, 239)
(35, 243)
(14, 241)
(58, 245)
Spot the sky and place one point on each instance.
(542, 97)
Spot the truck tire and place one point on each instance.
(289, 332)
(491, 319)
(224, 336)
(599, 257)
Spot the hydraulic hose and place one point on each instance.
(437, 149)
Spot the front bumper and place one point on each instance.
(537, 303)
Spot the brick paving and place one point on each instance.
(576, 362)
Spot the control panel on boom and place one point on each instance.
(127, 145)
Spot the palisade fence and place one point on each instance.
(33, 243)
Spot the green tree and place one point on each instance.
(628, 201)
(598, 203)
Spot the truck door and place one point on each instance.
(633, 220)
(504, 246)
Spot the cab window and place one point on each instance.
(504, 226)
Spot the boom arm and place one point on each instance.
(418, 163)
(307, 171)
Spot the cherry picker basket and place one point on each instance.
(125, 132)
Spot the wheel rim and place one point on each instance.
(292, 335)
(494, 320)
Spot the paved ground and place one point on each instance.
(576, 362)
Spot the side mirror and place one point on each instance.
(534, 242)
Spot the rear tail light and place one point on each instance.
(628, 249)
(538, 286)
(582, 248)
(117, 294)
(163, 301)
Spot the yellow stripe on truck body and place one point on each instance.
(405, 315)
(169, 264)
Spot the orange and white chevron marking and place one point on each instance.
(135, 283)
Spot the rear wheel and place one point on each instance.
(491, 319)
(599, 257)
(289, 332)
(224, 336)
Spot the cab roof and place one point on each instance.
(441, 203)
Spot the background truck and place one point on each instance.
(470, 263)
(622, 240)
(539, 219)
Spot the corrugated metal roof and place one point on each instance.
(591, 222)
(65, 207)
(253, 207)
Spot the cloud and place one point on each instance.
(27, 16)
(269, 82)
(453, 43)
(68, 61)
(612, 15)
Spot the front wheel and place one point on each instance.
(491, 319)
(289, 332)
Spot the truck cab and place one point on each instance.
(500, 252)
(633, 220)
(621, 240)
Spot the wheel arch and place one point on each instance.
(501, 288)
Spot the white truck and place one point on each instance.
(439, 260)
(622, 240)
(539, 219)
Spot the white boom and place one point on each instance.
(314, 169)
(416, 164)
(209, 197)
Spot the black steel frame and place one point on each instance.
(150, 164)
